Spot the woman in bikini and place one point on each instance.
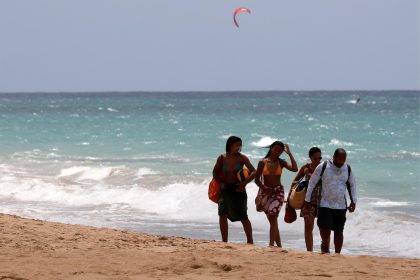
(271, 193)
(309, 213)
(233, 202)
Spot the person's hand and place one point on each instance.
(352, 207)
(241, 187)
(287, 149)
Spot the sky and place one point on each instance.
(193, 45)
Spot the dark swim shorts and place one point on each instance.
(332, 219)
(233, 204)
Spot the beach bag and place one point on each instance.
(215, 186)
(259, 202)
(297, 195)
(214, 190)
(290, 215)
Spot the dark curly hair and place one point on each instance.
(313, 151)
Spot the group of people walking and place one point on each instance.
(325, 199)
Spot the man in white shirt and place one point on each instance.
(335, 178)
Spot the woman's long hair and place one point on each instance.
(231, 141)
(275, 143)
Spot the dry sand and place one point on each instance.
(33, 249)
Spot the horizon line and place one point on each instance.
(208, 91)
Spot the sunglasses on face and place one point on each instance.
(319, 158)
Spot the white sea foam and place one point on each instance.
(256, 154)
(336, 142)
(389, 203)
(52, 155)
(224, 137)
(82, 173)
(143, 171)
(402, 154)
(309, 118)
(263, 141)
(109, 109)
(398, 237)
(168, 201)
(407, 154)
(37, 155)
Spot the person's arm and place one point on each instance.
(353, 191)
(218, 168)
(293, 166)
(258, 174)
(300, 175)
(316, 176)
(250, 167)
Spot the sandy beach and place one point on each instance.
(34, 249)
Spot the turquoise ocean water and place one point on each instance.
(142, 161)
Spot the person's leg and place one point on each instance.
(274, 231)
(223, 223)
(240, 209)
(338, 241)
(248, 231)
(278, 239)
(309, 227)
(325, 223)
(325, 240)
(339, 220)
